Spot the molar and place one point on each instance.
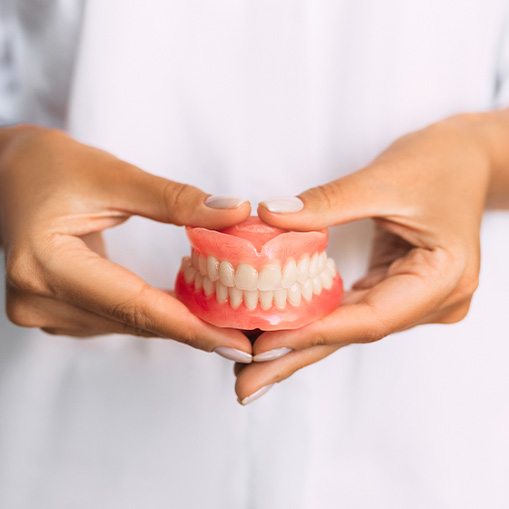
(189, 274)
(202, 265)
(326, 278)
(246, 277)
(269, 277)
(208, 286)
(198, 281)
(226, 274)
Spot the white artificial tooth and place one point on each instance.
(290, 273)
(235, 296)
(280, 298)
(246, 277)
(221, 293)
(294, 295)
(213, 268)
(269, 277)
(266, 299)
(198, 281)
(208, 286)
(251, 299)
(317, 285)
(194, 259)
(226, 274)
(322, 260)
(202, 265)
(186, 261)
(307, 290)
(303, 269)
(326, 279)
(189, 273)
(331, 265)
(313, 265)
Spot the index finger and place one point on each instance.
(82, 277)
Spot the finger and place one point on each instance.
(255, 376)
(137, 192)
(88, 281)
(61, 318)
(356, 196)
(415, 286)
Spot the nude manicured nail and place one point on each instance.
(284, 205)
(224, 201)
(271, 355)
(232, 354)
(257, 394)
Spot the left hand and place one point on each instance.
(426, 194)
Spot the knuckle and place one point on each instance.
(177, 198)
(326, 195)
(22, 274)
(20, 313)
(457, 315)
(132, 313)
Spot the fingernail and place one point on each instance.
(271, 355)
(232, 354)
(283, 205)
(257, 394)
(224, 201)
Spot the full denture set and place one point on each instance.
(255, 276)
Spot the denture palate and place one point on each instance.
(275, 284)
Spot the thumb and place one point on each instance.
(140, 193)
(356, 196)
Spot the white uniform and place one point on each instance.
(256, 98)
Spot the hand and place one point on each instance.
(426, 194)
(56, 197)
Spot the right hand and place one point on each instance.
(56, 197)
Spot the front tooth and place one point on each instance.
(290, 273)
(235, 296)
(331, 265)
(303, 268)
(313, 265)
(221, 293)
(266, 299)
(202, 265)
(294, 295)
(246, 277)
(189, 274)
(269, 277)
(322, 260)
(213, 268)
(307, 290)
(326, 278)
(226, 274)
(280, 298)
(251, 299)
(317, 285)
(208, 286)
(198, 281)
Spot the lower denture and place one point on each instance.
(258, 286)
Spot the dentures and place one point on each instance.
(255, 276)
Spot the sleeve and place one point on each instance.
(8, 84)
(501, 96)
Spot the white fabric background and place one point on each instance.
(249, 97)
